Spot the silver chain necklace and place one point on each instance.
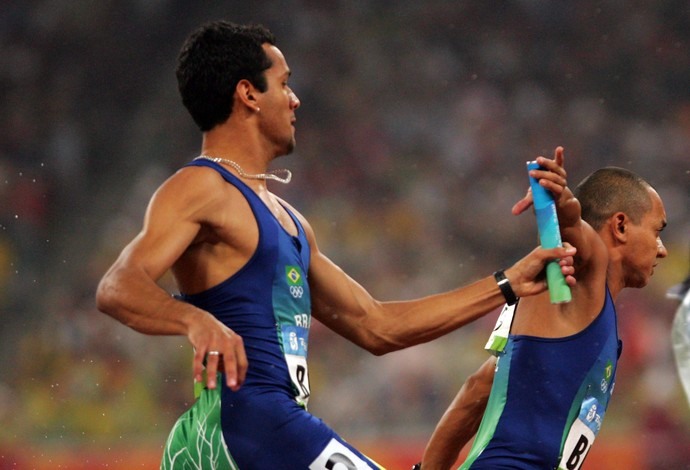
(270, 175)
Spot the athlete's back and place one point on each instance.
(548, 398)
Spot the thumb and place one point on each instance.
(523, 204)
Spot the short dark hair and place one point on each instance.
(610, 190)
(213, 59)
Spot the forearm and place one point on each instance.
(448, 439)
(461, 420)
(403, 324)
(380, 327)
(135, 300)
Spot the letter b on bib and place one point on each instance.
(579, 441)
(577, 456)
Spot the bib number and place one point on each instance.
(295, 351)
(581, 436)
(297, 365)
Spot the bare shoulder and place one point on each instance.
(197, 192)
(192, 183)
(537, 316)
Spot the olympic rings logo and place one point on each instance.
(297, 291)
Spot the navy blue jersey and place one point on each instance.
(265, 423)
(549, 398)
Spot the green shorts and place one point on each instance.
(196, 441)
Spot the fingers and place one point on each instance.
(218, 349)
(553, 175)
(527, 275)
(231, 359)
(563, 253)
(523, 204)
(212, 360)
(235, 364)
(198, 365)
(566, 260)
(209, 361)
(555, 165)
(567, 263)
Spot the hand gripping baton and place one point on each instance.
(549, 236)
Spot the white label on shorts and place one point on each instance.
(338, 457)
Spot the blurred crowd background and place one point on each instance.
(416, 122)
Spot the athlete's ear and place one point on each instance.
(619, 224)
(247, 94)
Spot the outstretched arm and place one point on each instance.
(461, 420)
(346, 307)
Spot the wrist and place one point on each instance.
(505, 287)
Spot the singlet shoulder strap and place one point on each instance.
(248, 193)
(227, 176)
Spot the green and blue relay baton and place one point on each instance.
(549, 236)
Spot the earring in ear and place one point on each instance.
(257, 109)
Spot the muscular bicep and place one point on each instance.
(172, 222)
(338, 301)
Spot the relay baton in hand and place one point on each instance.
(549, 236)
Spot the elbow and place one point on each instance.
(379, 350)
(381, 338)
(479, 384)
(380, 345)
(106, 299)
(372, 346)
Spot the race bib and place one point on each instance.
(582, 434)
(295, 351)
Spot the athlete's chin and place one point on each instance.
(291, 147)
(286, 150)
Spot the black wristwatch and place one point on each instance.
(506, 290)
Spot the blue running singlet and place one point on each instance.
(548, 398)
(265, 424)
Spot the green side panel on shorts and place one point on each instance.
(494, 408)
(196, 440)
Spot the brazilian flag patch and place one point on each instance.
(293, 275)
